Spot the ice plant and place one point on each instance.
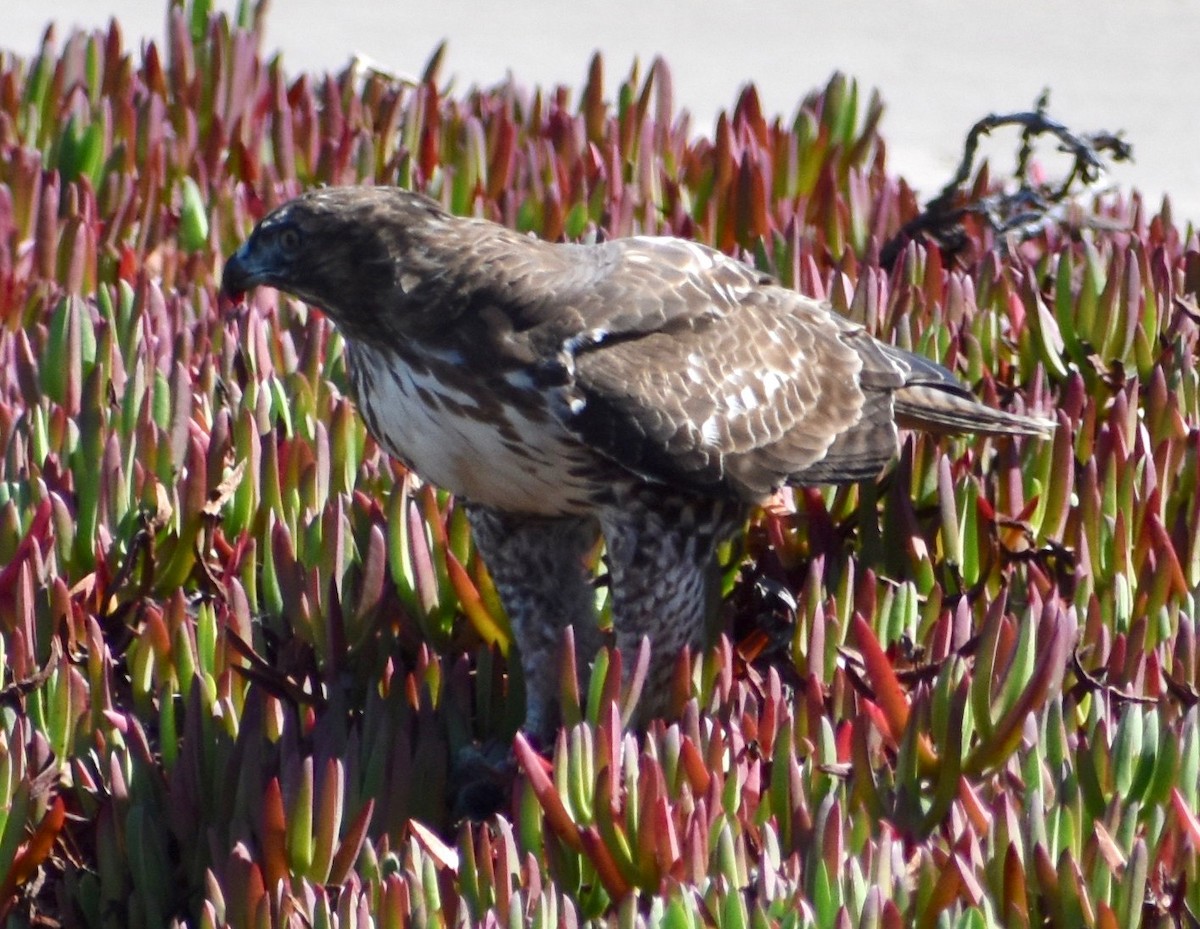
(244, 655)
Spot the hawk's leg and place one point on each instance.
(665, 581)
(538, 565)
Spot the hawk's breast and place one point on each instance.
(490, 441)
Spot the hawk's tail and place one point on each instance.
(933, 408)
(934, 400)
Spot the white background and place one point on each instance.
(939, 64)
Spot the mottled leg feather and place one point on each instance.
(661, 556)
(538, 566)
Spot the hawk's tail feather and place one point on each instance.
(933, 408)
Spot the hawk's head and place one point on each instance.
(342, 249)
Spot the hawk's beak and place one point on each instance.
(238, 276)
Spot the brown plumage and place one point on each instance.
(646, 389)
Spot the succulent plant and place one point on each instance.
(243, 651)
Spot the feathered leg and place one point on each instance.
(538, 566)
(661, 557)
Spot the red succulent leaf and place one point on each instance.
(889, 694)
(31, 854)
(536, 768)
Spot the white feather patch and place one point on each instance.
(466, 454)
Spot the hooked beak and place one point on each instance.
(238, 276)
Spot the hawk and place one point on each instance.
(649, 391)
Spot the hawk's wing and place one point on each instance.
(700, 370)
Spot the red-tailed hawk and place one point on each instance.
(650, 390)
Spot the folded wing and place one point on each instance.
(726, 378)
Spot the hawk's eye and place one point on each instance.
(289, 238)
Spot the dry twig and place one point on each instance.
(1032, 206)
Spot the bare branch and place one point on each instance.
(1031, 207)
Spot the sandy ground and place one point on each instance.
(939, 64)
